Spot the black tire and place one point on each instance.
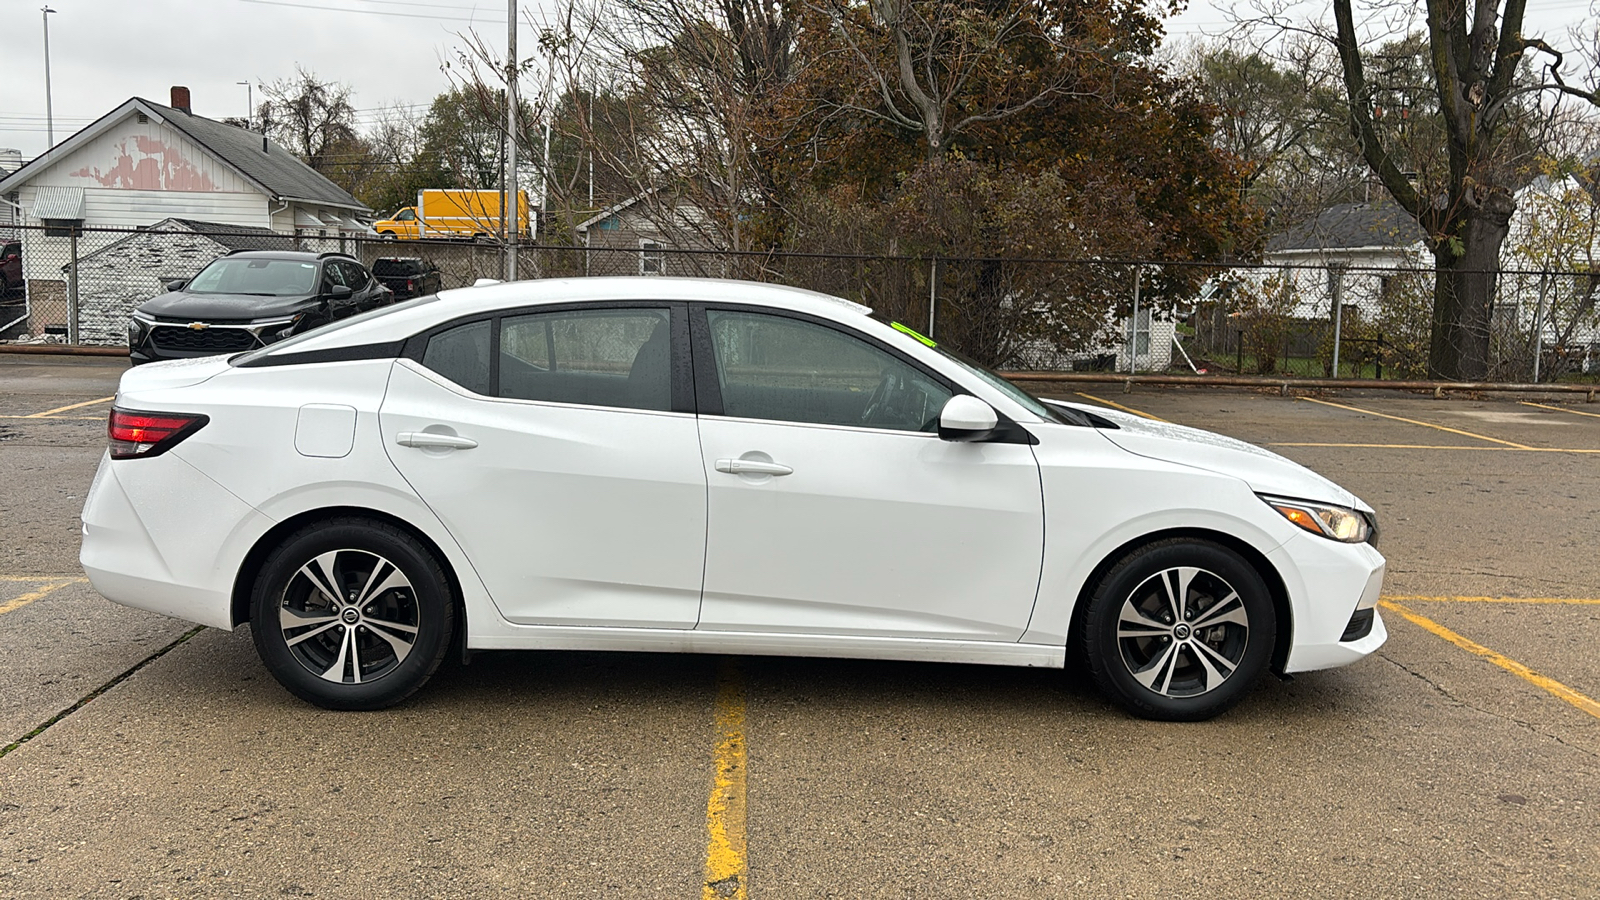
(386, 236)
(352, 652)
(1145, 655)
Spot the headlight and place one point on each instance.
(1335, 522)
(138, 326)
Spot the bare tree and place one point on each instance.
(926, 61)
(313, 118)
(1474, 52)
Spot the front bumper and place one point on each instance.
(153, 341)
(1328, 584)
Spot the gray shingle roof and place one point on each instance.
(237, 237)
(230, 237)
(276, 169)
(1351, 225)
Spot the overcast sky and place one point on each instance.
(104, 51)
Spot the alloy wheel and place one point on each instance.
(349, 616)
(1183, 632)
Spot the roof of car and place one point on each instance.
(399, 322)
(301, 255)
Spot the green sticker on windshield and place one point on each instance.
(907, 330)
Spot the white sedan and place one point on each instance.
(712, 467)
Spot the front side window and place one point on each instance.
(601, 357)
(354, 275)
(406, 215)
(788, 370)
(265, 277)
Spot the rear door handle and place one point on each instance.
(429, 439)
(752, 467)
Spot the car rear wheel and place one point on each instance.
(352, 614)
(1179, 630)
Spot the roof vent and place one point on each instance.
(144, 119)
(180, 99)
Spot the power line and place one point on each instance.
(379, 12)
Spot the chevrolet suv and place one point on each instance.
(248, 299)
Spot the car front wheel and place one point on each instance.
(1179, 630)
(352, 614)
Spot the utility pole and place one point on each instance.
(49, 107)
(250, 103)
(508, 212)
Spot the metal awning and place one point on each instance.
(58, 203)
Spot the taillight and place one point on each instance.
(135, 435)
(409, 284)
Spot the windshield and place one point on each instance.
(990, 378)
(263, 277)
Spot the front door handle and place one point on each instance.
(752, 467)
(429, 439)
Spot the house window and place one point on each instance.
(650, 260)
(62, 227)
(610, 223)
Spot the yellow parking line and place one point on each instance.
(1113, 405)
(1386, 446)
(25, 599)
(1556, 688)
(1418, 422)
(727, 872)
(61, 418)
(1434, 447)
(1576, 412)
(42, 578)
(1570, 601)
(61, 409)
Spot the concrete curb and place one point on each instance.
(63, 349)
(1284, 385)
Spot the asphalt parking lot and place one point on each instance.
(1461, 760)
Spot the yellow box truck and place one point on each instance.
(452, 214)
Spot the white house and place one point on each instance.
(1346, 248)
(647, 234)
(142, 163)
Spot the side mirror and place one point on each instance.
(966, 418)
(177, 284)
(340, 291)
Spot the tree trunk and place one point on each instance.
(1464, 292)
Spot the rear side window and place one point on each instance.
(602, 357)
(620, 358)
(462, 355)
(396, 267)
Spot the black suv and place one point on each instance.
(407, 276)
(250, 298)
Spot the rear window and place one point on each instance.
(397, 267)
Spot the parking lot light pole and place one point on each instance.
(49, 107)
(508, 212)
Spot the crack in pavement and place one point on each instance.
(1445, 692)
(84, 700)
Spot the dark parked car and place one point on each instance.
(10, 267)
(248, 299)
(407, 276)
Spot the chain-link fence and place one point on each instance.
(80, 286)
